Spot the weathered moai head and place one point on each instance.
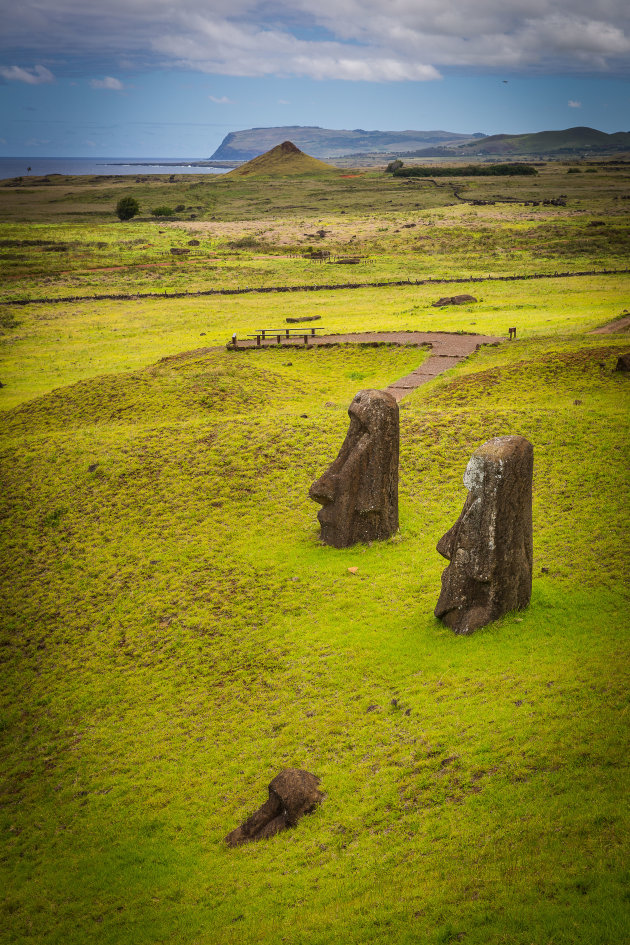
(490, 546)
(359, 492)
(292, 793)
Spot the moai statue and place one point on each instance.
(490, 546)
(292, 793)
(359, 492)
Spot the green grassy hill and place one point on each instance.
(572, 140)
(173, 634)
(285, 160)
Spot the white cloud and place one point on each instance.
(108, 82)
(38, 75)
(573, 104)
(223, 100)
(356, 40)
(222, 47)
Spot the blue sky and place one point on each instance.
(153, 78)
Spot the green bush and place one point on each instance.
(127, 207)
(470, 170)
(162, 211)
(244, 242)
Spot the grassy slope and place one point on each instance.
(578, 139)
(167, 661)
(173, 634)
(285, 160)
(49, 347)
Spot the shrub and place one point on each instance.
(245, 242)
(180, 207)
(393, 166)
(470, 170)
(162, 212)
(127, 207)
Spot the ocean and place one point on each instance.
(136, 166)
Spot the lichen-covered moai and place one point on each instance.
(292, 793)
(490, 546)
(359, 491)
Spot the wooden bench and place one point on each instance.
(284, 333)
(277, 331)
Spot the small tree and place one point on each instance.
(127, 207)
(394, 166)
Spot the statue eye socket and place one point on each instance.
(356, 426)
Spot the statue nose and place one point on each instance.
(323, 490)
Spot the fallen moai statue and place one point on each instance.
(292, 793)
(359, 491)
(490, 546)
(453, 300)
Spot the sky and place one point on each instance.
(171, 78)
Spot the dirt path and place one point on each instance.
(447, 350)
(619, 324)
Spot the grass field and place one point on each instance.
(173, 634)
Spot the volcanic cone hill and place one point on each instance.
(285, 160)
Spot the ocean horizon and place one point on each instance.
(132, 166)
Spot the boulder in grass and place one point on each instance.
(623, 362)
(454, 300)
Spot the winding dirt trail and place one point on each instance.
(447, 350)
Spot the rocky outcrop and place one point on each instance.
(453, 300)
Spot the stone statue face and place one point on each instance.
(359, 491)
(490, 545)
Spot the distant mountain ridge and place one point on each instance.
(327, 143)
(577, 141)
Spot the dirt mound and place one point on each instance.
(282, 161)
